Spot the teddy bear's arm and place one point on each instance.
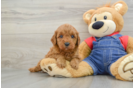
(84, 50)
(130, 45)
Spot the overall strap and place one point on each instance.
(122, 39)
(117, 36)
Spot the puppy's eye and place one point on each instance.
(72, 36)
(95, 19)
(61, 36)
(105, 17)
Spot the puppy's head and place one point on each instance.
(66, 37)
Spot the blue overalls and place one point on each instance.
(106, 50)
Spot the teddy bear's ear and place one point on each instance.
(87, 15)
(121, 7)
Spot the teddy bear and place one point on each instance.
(105, 52)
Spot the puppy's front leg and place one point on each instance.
(75, 63)
(61, 62)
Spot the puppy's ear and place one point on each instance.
(78, 39)
(54, 38)
(120, 7)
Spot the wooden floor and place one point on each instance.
(28, 25)
(14, 78)
(26, 29)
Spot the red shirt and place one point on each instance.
(123, 39)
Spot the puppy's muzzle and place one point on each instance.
(67, 43)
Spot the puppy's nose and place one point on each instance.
(97, 25)
(67, 43)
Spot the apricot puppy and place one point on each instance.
(65, 47)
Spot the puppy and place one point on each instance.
(65, 47)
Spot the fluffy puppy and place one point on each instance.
(65, 47)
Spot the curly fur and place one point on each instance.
(59, 51)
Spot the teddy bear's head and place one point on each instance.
(106, 20)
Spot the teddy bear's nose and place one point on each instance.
(97, 25)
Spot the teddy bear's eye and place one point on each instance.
(95, 19)
(105, 17)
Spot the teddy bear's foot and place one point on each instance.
(123, 68)
(48, 65)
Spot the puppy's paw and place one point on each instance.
(61, 64)
(74, 63)
(31, 69)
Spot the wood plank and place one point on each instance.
(44, 16)
(25, 50)
(27, 27)
(19, 78)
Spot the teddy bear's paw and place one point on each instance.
(125, 69)
(50, 66)
(54, 70)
